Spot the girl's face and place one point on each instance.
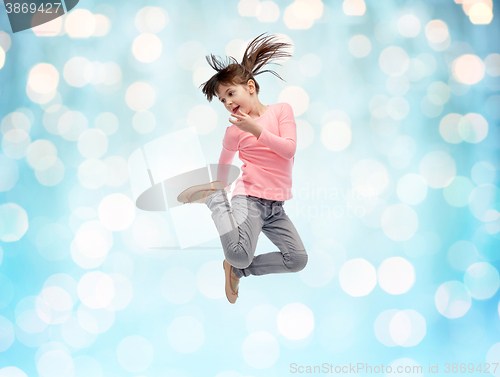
(235, 97)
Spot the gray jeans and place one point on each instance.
(239, 226)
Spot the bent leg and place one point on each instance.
(238, 225)
(292, 256)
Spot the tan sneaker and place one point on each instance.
(199, 193)
(232, 282)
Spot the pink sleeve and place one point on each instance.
(284, 145)
(226, 157)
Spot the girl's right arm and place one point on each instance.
(226, 159)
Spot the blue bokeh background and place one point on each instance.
(395, 185)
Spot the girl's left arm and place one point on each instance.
(286, 144)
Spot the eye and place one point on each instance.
(230, 93)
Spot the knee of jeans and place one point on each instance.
(298, 261)
(238, 260)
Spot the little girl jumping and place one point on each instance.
(265, 137)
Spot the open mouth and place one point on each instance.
(235, 109)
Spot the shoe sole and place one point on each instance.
(187, 195)
(228, 281)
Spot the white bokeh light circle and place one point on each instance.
(93, 240)
(96, 321)
(150, 230)
(96, 289)
(87, 366)
(186, 334)
(55, 363)
(357, 277)
(462, 254)
(92, 173)
(492, 65)
(123, 291)
(140, 96)
(411, 189)
(117, 168)
(406, 366)
(436, 31)
(381, 327)
(135, 353)
(369, 177)
(305, 134)
(7, 335)
(295, 321)
(9, 173)
(13, 222)
(408, 328)
(78, 71)
(483, 172)
(248, 8)
(116, 212)
(360, 46)
(75, 335)
(397, 85)
(80, 23)
(12, 372)
(354, 7)
(492, 355)
(399, 222)
(438, 92)
(147, 47)
(102, 27)
(92, 143)
(394, 61)
(151, 19)
(15, 143)
(203, 118)
(263, 317)
(468, 69)
(59, 301)
(299, 15)
(310, 65)
(404, 328)
(297, 97)
(453, 299)
(268, 11)
(473, 128)
(482, 200)
(178, 285)
(120, 263)
(482, 280)
(260, 350)
(144, 122)
(43, 78)
(324, 262)
(396, 275)
(438, 169)
(398, 108)
(41, 154)
(71, 125)
(52, 175)
(448, 128)
(336, 135)
(457, 193)
(190, 53)
(409, 26)
(107, 122)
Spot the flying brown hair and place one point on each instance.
(259, 52)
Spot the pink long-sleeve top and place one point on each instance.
(268, 160)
